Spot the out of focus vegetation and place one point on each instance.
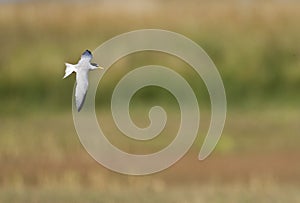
(256, 46)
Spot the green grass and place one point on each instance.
(255, 48)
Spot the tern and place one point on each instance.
(81, 69)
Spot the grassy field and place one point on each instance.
(42, 160)
(256, 47)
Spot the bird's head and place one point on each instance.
(87, 53)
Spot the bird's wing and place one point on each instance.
(81, 88)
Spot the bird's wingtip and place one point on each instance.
(79, 108)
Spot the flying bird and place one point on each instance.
(81, 69)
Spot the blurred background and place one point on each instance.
(256, 48)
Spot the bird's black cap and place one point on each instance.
(87, 53)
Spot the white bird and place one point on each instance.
(81, 69)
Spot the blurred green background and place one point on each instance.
(256, 48)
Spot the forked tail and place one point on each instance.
(69, 69)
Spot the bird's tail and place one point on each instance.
(69, 69)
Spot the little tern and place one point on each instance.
(81, 69)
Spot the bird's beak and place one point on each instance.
(100, 67)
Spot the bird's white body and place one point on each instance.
(81, 69)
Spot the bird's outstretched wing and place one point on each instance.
(81, 89)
